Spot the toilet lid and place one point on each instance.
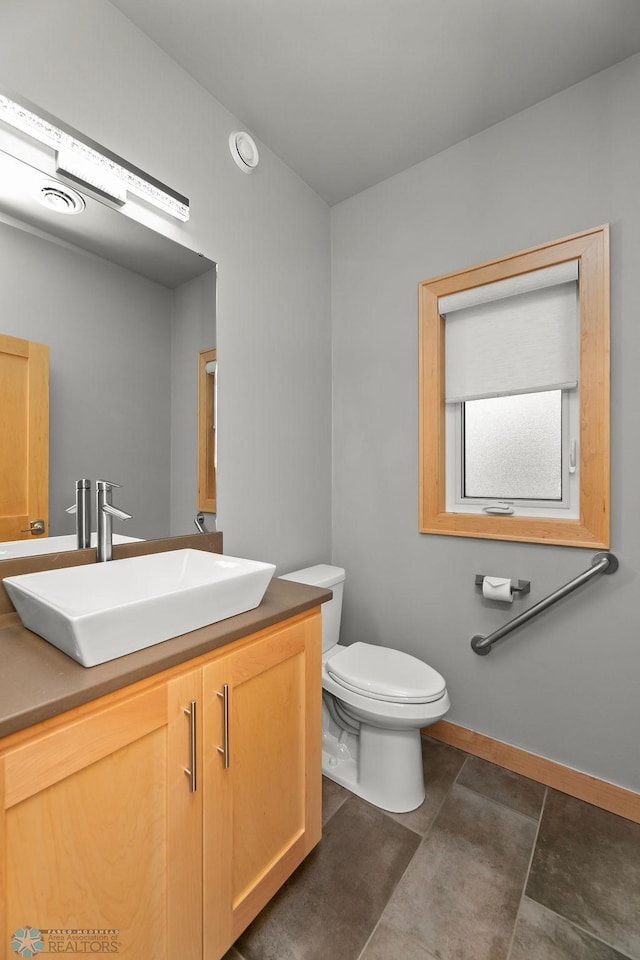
(385, 674)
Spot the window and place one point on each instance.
(511, 371)
(514, 455)
(514, 416)
(512, 447)
(207, 376)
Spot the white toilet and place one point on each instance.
(374, 702)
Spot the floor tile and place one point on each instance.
(333, 796)
(390, 943)
(441, 764)
(542, 935)
(459, 897)
(521, 794)
(587, 868)
(331, 904)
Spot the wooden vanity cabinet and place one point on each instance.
(102, 831)
(268, 799)
(99, 826)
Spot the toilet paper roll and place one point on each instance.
(497, 588)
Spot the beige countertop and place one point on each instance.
(38, 681)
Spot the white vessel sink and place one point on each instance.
(11, 549)
(97, 612)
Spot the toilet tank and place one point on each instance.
(324, 575)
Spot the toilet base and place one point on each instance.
(383, 767)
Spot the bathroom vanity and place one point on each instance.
(152, 805)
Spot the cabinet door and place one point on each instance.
(100, 835)
(263, 812)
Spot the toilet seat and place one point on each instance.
(382, 673)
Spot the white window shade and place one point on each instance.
(519, 335)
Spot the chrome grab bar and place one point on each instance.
(601, 563)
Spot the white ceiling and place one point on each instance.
(350, 92)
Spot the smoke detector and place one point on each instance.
(244, 151)
(60, 198)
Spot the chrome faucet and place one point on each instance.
(82, 510)
(105, 513)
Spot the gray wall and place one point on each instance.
(565, 686)
(268, 233)
(109, 336)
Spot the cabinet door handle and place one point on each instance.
(191, 773)
(224, 750)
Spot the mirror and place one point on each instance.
(125, 312)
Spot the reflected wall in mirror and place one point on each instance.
(124, 330)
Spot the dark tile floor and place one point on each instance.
(491, 867)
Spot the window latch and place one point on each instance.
(500, 506)
(572, 457)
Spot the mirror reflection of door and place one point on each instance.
(24, 438)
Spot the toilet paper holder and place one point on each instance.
(517, 586)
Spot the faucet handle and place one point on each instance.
(106, 484)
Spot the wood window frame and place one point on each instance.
(591, 529)
(206, 434)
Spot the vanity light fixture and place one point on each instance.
(74, 165)
(89, 163)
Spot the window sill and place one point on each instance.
(568, 533)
